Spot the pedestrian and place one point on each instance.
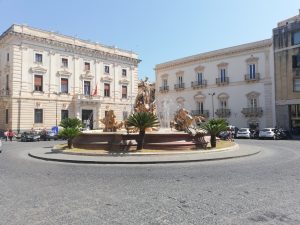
(11, 134)
(230, 134)
(6, 135)
(0, 146)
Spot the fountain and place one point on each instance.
(163, 139)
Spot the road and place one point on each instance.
(261, 189)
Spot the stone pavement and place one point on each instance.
(145, 158)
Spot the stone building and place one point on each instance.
(234, 83)
(286, 42)
(45, 77)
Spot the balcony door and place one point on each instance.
(87, 87)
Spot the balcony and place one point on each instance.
(199, 84)
(252, 77)
(252, 112)
(164, 89)
(223, 113)
(179, 87)
(204, 113)
(222, 81)
(88, 98)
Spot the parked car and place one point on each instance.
(30, 136)
(224, 135)
(48, 135)
(283, 134)
(269, 133)
(243, 133)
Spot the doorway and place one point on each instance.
(87, 118)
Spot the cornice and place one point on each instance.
(38, 70)
(213, 55)
(72, 48)
(63, 73)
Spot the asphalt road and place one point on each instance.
(261, 189)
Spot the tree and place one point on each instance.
(214, 127)
(142, 121)
(71, 129)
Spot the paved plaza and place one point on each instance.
(259, 189)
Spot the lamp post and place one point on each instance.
(212, 101)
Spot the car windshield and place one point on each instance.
(265, 130)
(242, 130)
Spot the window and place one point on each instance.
(199, 78)
(200, 107)
(125, 115)
(180, 80)
(38, 116)
(223, 104)
(165, 83)
(38, 58)
(223, 75)
(64, 85)
(124, 72)
(64, 114)
(252, 71)
(296, 61)
(87, 87)
(297, 84)
(124, 91)
(296, 38)
(64, 63)
(253, 103)
(87, 66)
(38, 83)
(106, 90)
(7, 57)
(106, 69)
(6, 116)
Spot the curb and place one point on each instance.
(79, 161)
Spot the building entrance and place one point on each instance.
(87, 118)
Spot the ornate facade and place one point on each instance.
(286, 42)
(45, 76)
(235, 83)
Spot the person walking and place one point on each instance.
(11, 134)
(6, 135)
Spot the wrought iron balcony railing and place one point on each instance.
(199, 84)
(224, 80)
(252, 77)
(179, 86)
(204, 113)
(223, 113)
(164, 89)
(252, 112)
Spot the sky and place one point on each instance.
(157, 30)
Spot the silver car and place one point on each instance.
(267, 133)
(243, 133)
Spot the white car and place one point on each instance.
(243, 133)
(267, 133)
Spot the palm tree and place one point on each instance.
(71, 129)
(142, 121)
(214, 127)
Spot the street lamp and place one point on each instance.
(212, 101)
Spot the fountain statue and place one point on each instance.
(183, 120)
(110, 123)
(144, 101)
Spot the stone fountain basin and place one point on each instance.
(120, 141)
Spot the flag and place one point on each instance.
(95, 91)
